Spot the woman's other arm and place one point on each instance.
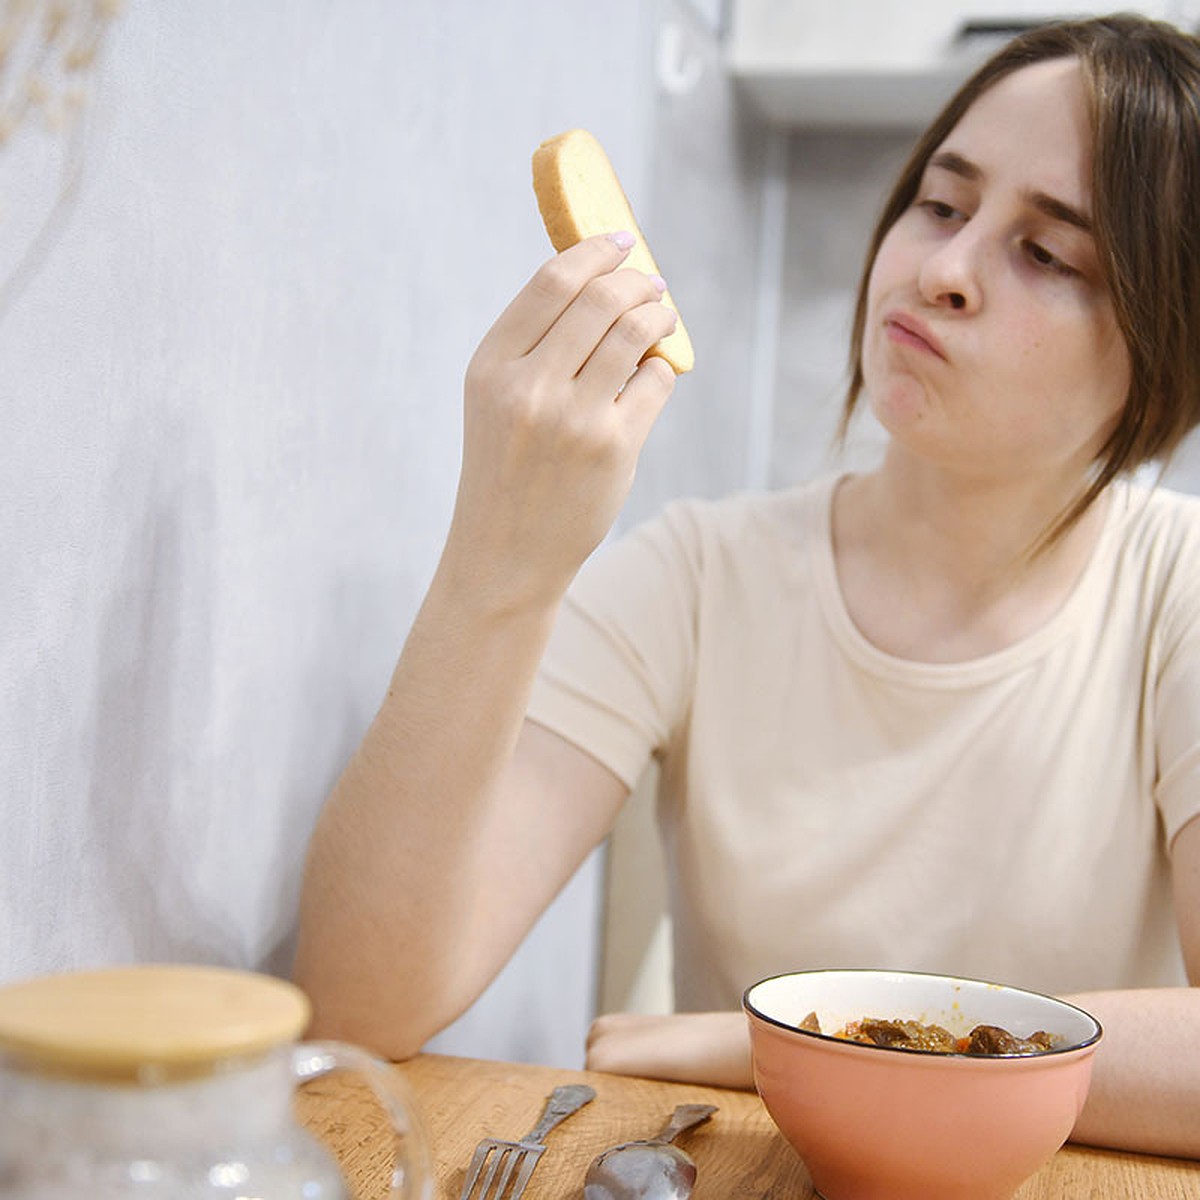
(1145, 1092)
(453, 826)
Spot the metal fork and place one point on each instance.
(496, 1164)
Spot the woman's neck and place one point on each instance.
(940, 568)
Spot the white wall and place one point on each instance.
(231, 410)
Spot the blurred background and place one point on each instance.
(243, 271)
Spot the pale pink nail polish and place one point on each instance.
(622, 239)
(660, 284)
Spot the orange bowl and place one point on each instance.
(885, 1123)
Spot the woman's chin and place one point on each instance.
(900, 407)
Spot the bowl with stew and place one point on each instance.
(898, 1085)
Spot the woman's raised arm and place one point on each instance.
(453, 826)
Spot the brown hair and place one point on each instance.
(1142, 79)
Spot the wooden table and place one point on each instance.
(739, 1153)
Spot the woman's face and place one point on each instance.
(991, 346)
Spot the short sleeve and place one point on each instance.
(617, 675)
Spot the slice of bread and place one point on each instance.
(579, 195)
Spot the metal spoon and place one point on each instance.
(651, 1169)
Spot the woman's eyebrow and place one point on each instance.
(1050, 206)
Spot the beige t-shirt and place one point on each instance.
(824, 803)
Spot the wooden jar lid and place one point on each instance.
(126, 1021)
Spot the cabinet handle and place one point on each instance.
(991, 27)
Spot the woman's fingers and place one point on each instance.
(553, 288)
(644, 395)
(622, 346)
(582, 312)
(614, 320)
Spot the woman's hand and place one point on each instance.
(557, 409)
(710, 1049)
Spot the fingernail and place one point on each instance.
(622, 239)
(660, 284)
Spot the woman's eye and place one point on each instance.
(940, 209)
(1051, 262)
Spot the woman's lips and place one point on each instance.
(908, 331)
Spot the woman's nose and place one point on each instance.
(950, 274)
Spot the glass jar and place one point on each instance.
(175, 1081)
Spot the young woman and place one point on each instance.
(942, 715)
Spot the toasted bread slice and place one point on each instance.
(579, 195)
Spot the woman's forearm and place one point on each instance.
(391, 888)
(707, 1048)
(1145, 1092)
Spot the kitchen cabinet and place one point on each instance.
(876, 64)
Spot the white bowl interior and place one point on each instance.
(838, 997)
